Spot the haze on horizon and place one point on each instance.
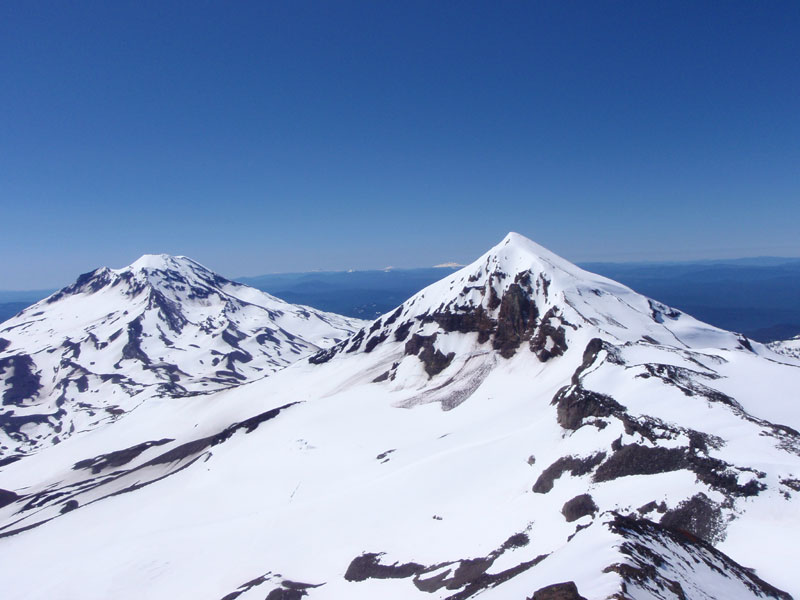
(286, 137)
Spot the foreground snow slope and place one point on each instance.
(164, 326)
(519, 425)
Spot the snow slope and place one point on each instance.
(520, 429)
(164, 326)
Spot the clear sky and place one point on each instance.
(263, 136)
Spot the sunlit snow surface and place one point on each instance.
(359, 472)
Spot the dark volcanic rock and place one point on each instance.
(82, 383)
(418, 342)
(642, 566)
(576, 466)
(394, 316)
(382, 377)
(651, 506)
(574, 403)
(518, 540)
(793, 484)
(288, 590)
(12, 425)
(24, 383)
(284, 594)
(468, 571)
(558, 591)
(368, 566)
(468, 575)
(291, 590)
(434, 360)
(401, 332)
(578, 507)
(324, 356)
(87, 282)
(515, 320)
(133, 347)
(355, 341)
(698, 516)
(374, 341)
(7, 497)
(232, 336)
(550, 340)
(267, 336)
(635, 459)
(464, 320)
(169, 311)
(117, 458)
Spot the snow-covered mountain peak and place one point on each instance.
(164, 326)
(515, 251)
(177, 266)
(520, 429)
(160, 262)
(520, 297)
(173, 267)
(517, 257)
(163, 279)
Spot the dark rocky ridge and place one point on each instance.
(468, 576)
(558, 591)
(286, 590)
(574, 403)
(517, 322)
(117, 458)
(654, 573)
(574, 465)
(577, 406)
(637, 459)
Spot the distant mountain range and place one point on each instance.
(759, 297)
(519, 429)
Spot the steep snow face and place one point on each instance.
(164, 326)
(521, 429)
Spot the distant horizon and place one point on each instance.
(777, 260)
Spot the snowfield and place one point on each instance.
(520, 429)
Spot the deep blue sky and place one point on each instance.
(288, 136)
